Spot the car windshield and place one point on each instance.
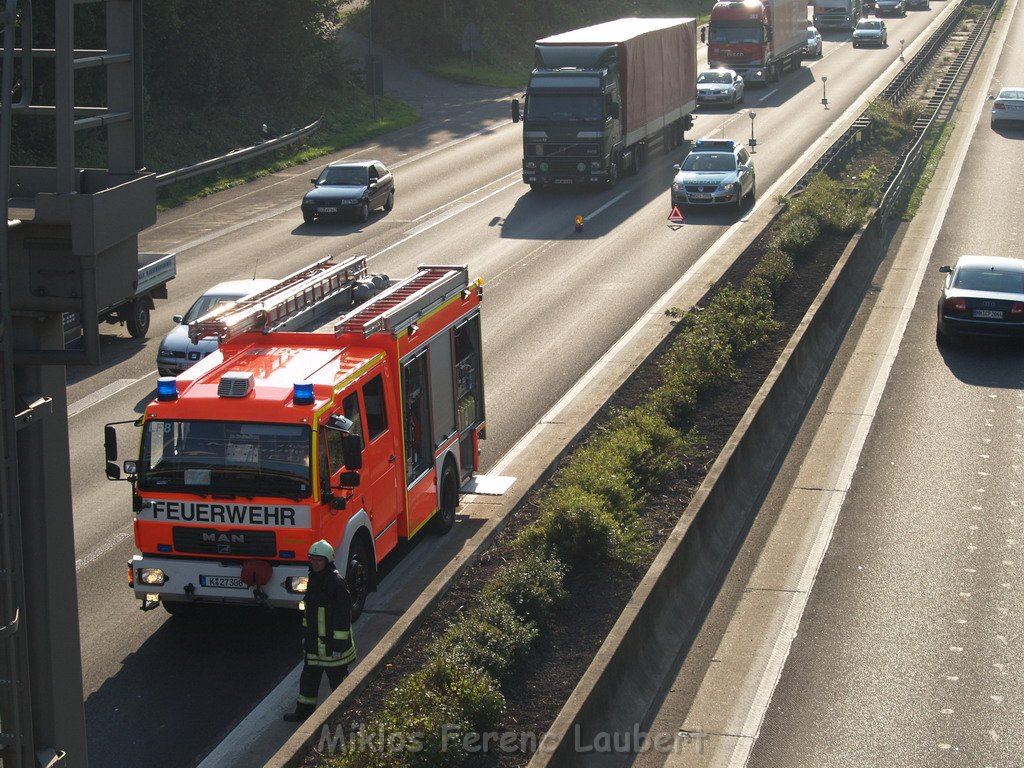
(344, 176)
(810, 34)
(743, 32)
(206, 304)
(870, 25)
(1012, 93)
(714, 77)
(989, 279)
(207, 457)
(709, 161)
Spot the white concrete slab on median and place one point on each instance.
(489, 485)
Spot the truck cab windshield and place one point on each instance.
(750, 34)
(551, 106)
(213, 457)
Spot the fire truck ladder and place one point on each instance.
(405, 302)
(268, 309)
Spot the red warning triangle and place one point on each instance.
(675, 215)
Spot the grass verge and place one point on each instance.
(361, 119)
(936, 148)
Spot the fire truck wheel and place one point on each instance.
(444, 518)
(357, 574)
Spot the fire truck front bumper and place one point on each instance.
(156, 580)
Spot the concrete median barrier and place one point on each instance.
(614, 699)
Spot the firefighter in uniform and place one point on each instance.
(327, 642)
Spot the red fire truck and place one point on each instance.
(361, 432)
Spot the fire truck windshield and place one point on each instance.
(226, 457)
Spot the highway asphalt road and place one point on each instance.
(163, 692)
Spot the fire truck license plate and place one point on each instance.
(327, 210)
(222, 581)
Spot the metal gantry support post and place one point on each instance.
(71, 241)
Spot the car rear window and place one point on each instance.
(978, 279)
(1011, 94)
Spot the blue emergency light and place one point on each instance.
(303, 393)
(727, 144)
(166, 388)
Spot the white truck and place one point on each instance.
(155, 271)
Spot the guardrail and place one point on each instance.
(235, 156)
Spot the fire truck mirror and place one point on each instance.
(338, 502)
(110, 444)
(113, 471)
(352, 453)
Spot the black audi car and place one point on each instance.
(982, 296)
(349, 189)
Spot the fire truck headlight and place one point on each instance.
(296, 584)
(152, 576)
(131, 467)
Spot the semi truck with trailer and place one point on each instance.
(361, 431)
(759, 39)
(837, 14)
(601, 97)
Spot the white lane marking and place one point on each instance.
(783, 643)
(442, 218)
(102, 394)
(451, 203)
(607, 205)
(100, 551)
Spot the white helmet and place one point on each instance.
(321, 549)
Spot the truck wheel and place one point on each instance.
(137, 318)
(357, 574)
(444, 518)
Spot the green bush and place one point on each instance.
(796, 236)
(424, 715)
(892, 124)
(530, 584)
(770, 275)
(491, 637)
(835, 208)
(576, 525)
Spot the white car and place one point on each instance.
(870, 32)
(1008, 107)
(813, 47)
(719, 86)
(177, 352)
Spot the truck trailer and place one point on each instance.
(361, 431)
(759, 39)
(600, 97)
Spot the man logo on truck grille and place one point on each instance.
(224, 541)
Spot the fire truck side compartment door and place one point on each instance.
(442, 387)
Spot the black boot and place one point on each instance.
(301, 713)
